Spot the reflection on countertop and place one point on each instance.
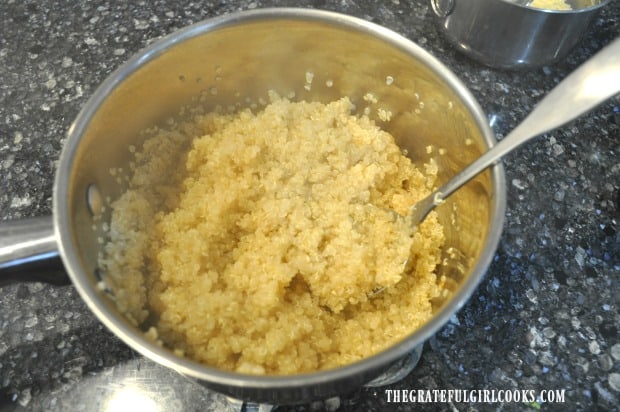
(546, 316)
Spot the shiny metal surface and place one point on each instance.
(507, 34)
(29, 252)
(23, 241)
(590, 85)
(234, 61)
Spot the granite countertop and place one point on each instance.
(546, 315)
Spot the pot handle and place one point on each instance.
(29, 252)
(443, 8)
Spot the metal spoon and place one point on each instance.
(591, 84)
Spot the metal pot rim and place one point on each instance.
(598, 5)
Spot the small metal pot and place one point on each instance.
(509, 34)
(232, 60)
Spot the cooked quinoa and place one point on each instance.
(551, 4)
(267, 243)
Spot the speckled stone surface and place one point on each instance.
(546, 316)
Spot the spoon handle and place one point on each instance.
(591, 84)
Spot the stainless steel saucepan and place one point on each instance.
(513, 34)
(243, 55)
